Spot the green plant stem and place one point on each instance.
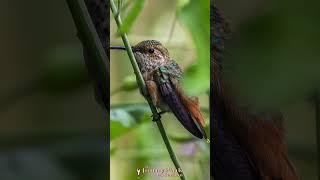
(97, 62)
(317, 116)
(142, 86)
(86, 29)
(87, 33)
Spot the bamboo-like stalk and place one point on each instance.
(97, 63)
(156, 116)
(317, 116)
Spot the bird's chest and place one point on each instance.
(149, 65)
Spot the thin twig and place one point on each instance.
(174, 22)
(156, 116)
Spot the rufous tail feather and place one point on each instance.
(193, 107)
(192, 104)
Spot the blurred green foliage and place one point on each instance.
(275, 58)
(52, 128)
(138, 144)
(195, 16)
(63, 71)
(182, 3)
(129, 83)
(124, 118)
(132, 15)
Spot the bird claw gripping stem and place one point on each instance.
(156, 117)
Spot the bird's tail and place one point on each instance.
(193, 107)
(172, 99)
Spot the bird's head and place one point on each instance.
(151, 50)
(149, 54)
(148, 50)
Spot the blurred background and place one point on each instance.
(273, 64)
(136, 143)
(51, 126)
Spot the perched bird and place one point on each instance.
(245, 145)
(162, 76)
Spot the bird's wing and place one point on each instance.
(174, 70)
(171, 97)
(191, 103)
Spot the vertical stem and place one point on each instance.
(98, 63)
(142, 86)
(317, 116)
(170, 150)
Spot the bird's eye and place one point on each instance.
(151, 50)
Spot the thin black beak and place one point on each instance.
(118, 47)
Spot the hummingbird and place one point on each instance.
(162, 76)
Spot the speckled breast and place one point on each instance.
(145, 64)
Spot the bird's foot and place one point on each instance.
(156, 117)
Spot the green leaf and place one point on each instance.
(129, 83)
(132, 16)
(182, 3)
(119, 5)
(124, 118)
(113, 149)
(195, 16)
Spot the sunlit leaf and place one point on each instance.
(113, 149)
(124, 118)
(195, 16)
(182, 3)
(132, 16)
(129, 83)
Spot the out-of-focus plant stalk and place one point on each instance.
(97, 64)
(317, 115)
(142, 86)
